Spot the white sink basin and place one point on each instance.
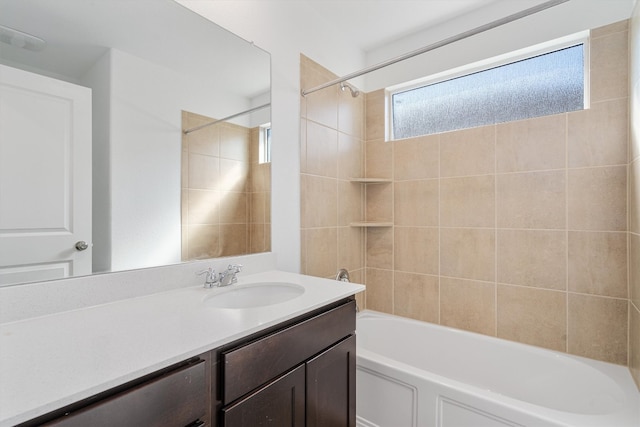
(254, 295)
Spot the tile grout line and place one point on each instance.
(566, 231)
(495, 172)
(393, 228)
(439, 231)
(337, 213)
(629, 303)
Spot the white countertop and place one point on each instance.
(51, 361)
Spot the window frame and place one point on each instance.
(486, 64)
(264, 144)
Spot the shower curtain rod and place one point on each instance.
(241, 113)
(449, 40)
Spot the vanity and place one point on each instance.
(183, 358)
(148, 344)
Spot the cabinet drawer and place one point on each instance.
(249, 366)
(174, 399)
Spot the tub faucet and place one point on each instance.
(229, 276)
(210, 280)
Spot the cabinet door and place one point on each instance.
(331, 386)
(280, 403)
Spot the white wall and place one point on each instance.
(98, 78)
(285, 29)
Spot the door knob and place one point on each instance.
(81, 245)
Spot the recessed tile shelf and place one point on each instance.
(370, 180)
(371, 224)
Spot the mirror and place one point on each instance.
(153, 68)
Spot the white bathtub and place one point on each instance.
(412, 373)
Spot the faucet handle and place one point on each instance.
(228, 277)
(209, 271)
(236, 268)
(210, 278)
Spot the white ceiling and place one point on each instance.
(370, 24)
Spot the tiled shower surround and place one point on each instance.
(516, 230)
(332, 151)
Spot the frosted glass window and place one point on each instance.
(551, 83)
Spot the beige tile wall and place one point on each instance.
(517, 230)
(634, 198)
(332, 132)
(225, 192)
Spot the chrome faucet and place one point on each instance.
(229, 277)
(211, 279)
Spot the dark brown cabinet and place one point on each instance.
(298, 373)
(318, 393)
(302, 374)
(177, 398)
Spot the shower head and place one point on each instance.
(354, 92)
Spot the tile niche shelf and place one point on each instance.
(371, 224)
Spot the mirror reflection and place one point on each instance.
(95, 97)
(226, 196)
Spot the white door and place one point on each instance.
(45, 177)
